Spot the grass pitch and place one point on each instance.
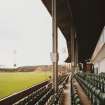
(14, 82)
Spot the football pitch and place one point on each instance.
(11, 83)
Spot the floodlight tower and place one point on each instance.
(14, 58)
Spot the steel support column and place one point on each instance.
(54, 47)
(76, 53)
(66, 66)
(69, 67)
(72, 49)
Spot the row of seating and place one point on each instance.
(41, 95)
(97, 80)
(88, 83)
(102, 74)
(61, 79)
(65, 80)
(44, 99)
(56, 99)
(75, 99)
(34, 97)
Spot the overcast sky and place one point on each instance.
(25, 26)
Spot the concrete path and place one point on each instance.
(67, 93)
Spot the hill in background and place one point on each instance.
(31, 68)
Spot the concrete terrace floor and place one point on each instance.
(67, 93)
